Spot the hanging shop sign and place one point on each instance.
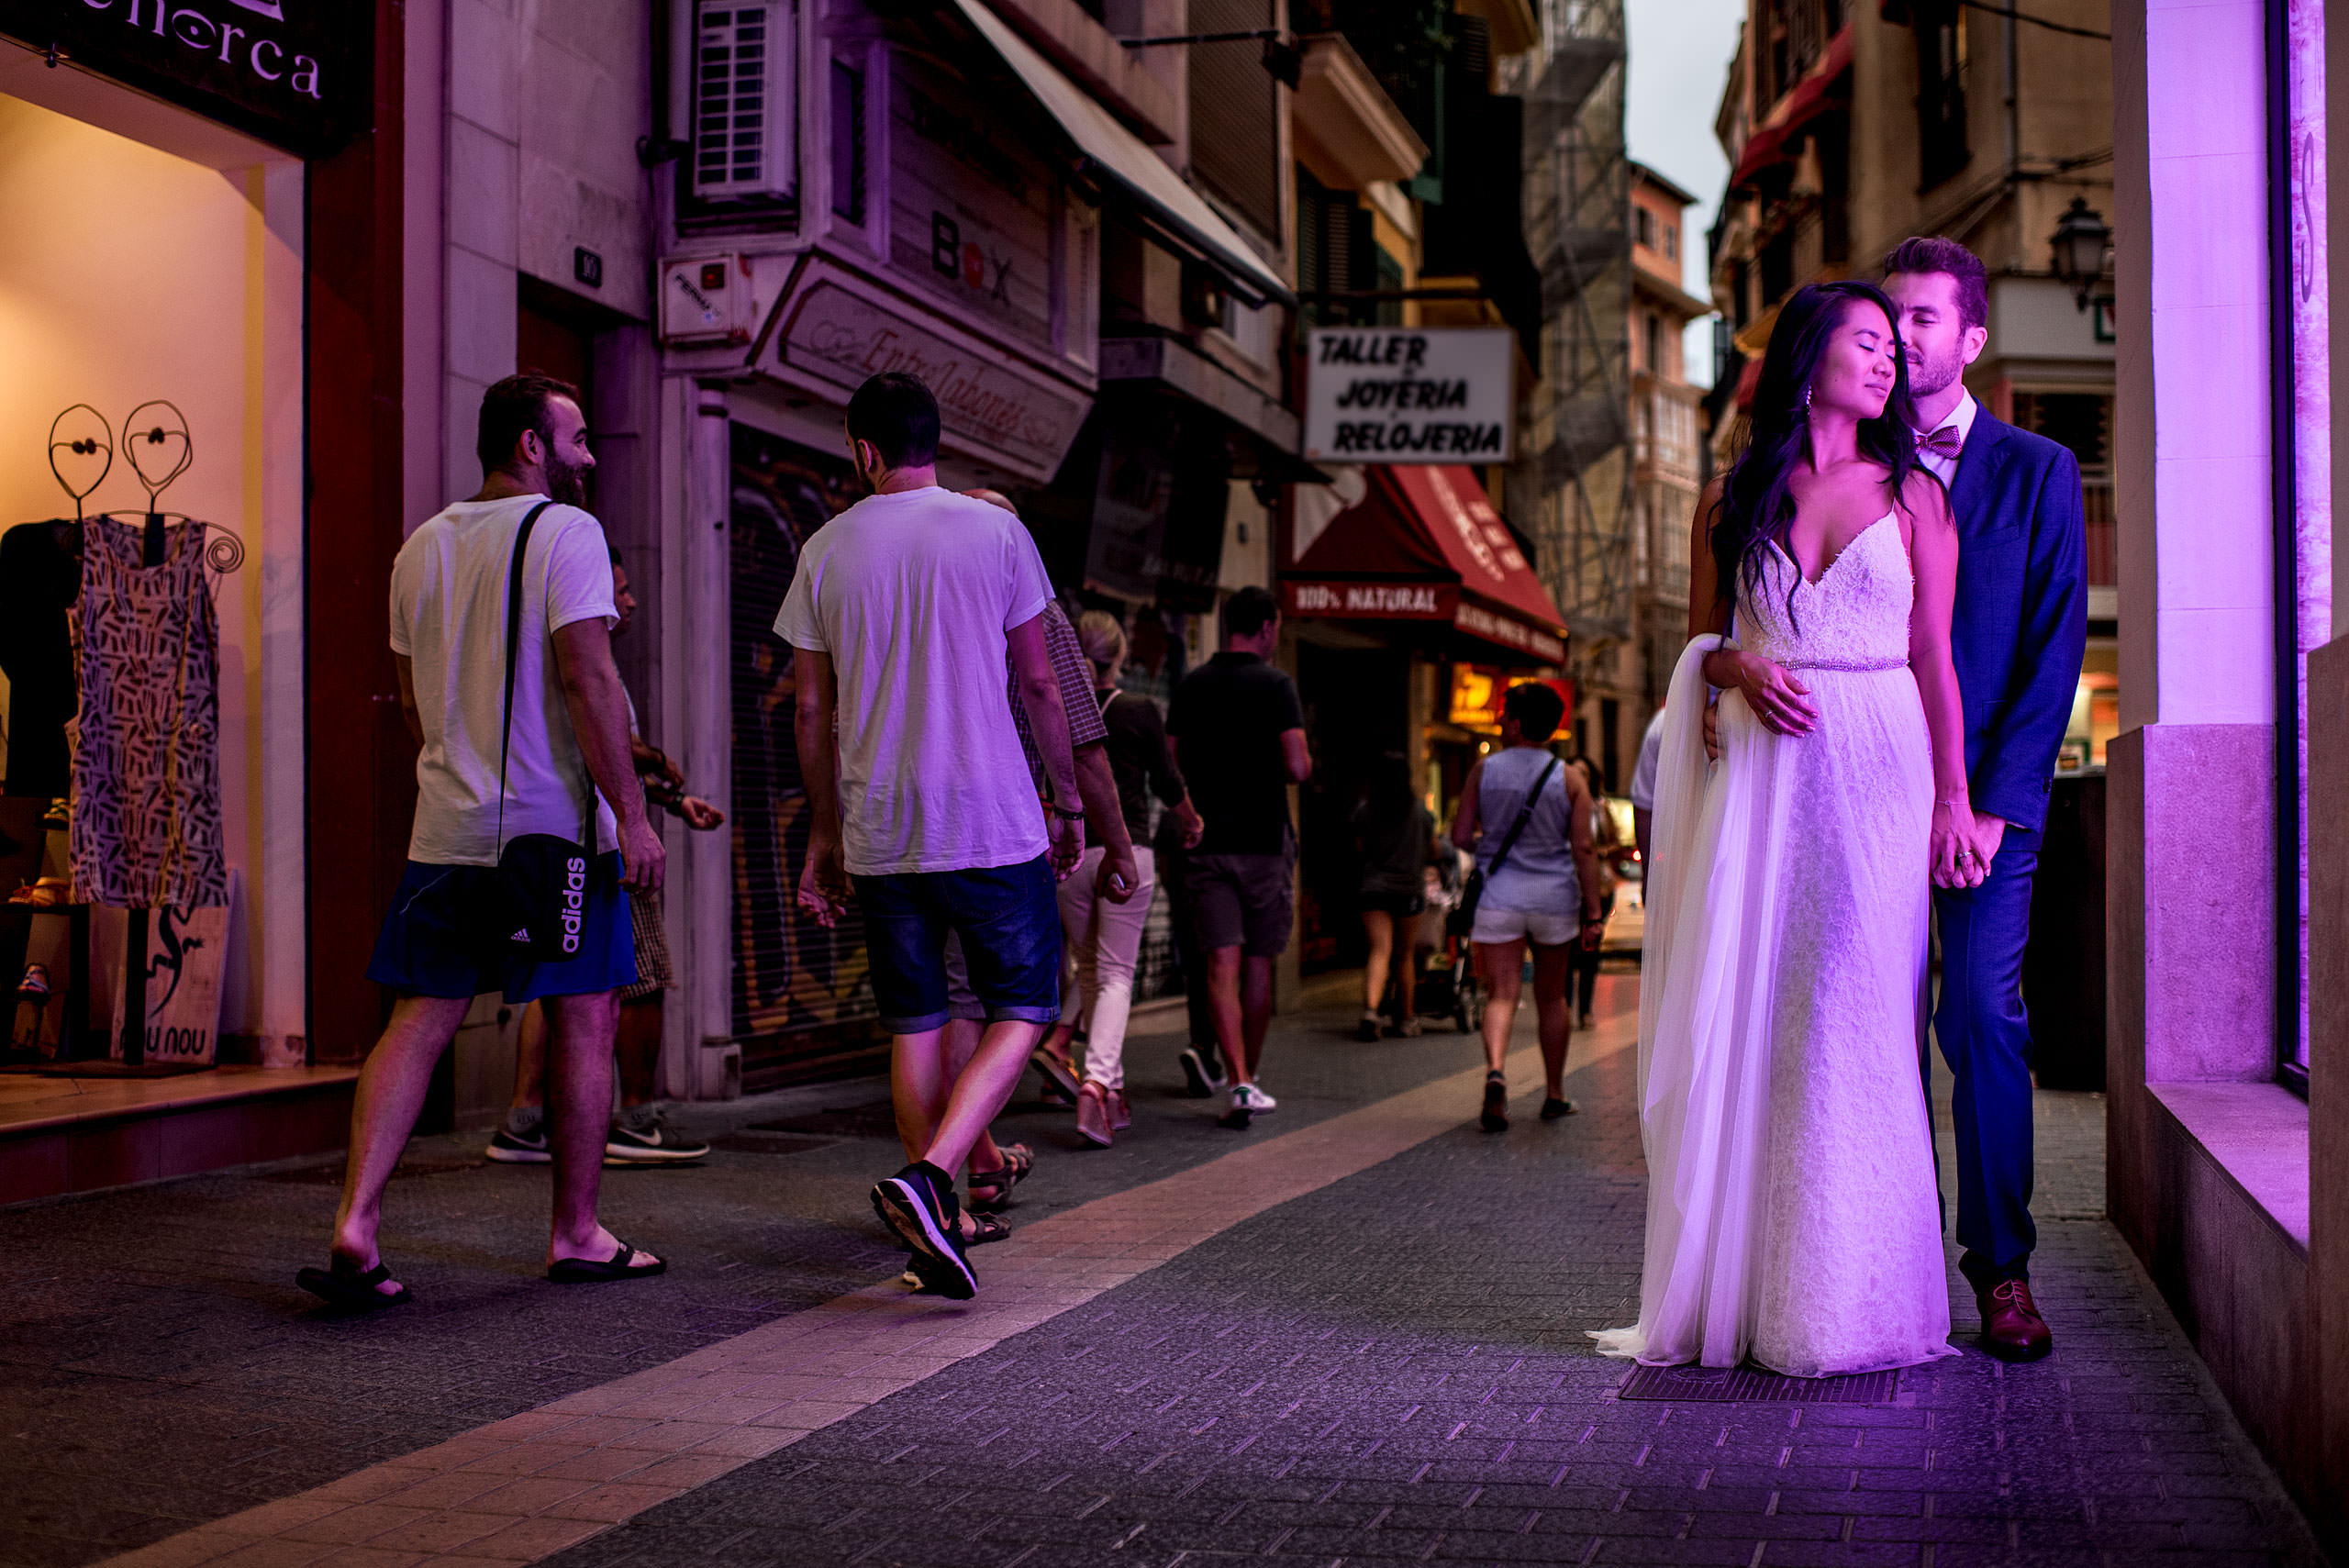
(833, 329)
(1440, 394)
(1478, 690)
(299, 73)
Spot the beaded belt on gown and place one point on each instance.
(1855, 666)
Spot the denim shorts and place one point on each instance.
(1008, 920)
(431, 946)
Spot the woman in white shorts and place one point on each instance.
(1535, 885)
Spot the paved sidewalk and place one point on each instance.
(1395, 1369)
(1387, 1366)
(158, 1369)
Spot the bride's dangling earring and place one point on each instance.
(1805, 404)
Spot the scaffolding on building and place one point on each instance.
(1574, 466)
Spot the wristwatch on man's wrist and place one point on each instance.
(1062, 812)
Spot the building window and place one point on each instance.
(1672, 242)
(1651, 343)
(2300, 442)
(1795, 34)
(1778, 268)
(1940, 90)
(847, 142)
(2081, 421)
(1644, 226)
(1337, 253)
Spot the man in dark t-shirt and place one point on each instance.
(1239, 733)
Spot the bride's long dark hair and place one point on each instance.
(1756, 507)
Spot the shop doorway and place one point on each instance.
(1357, 712)
(802, 996)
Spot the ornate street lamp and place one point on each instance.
(2080, 241)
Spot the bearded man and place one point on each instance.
(501, 619)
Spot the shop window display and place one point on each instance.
(150, 699)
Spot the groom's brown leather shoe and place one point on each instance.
(2012, 1329)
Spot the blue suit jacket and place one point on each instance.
(2020, 626)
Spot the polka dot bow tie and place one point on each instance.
(1945, 443)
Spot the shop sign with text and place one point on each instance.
(841, 337)
(1372, 601)
(295, 72)
(1441, 394)
(1478, 621)
(970, 204)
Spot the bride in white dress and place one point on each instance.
(1792, 1213)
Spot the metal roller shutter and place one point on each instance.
(791, 976)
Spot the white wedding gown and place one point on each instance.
(1792, 1213)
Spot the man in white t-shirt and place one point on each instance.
(560, 768)
(900, 615)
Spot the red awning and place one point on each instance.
(1812, 97)
(1425, 544)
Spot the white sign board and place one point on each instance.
(181, 968)
(704, 299)
(1410, 395)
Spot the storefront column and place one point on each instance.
(2327, 834)
(2207, 1174)
(699, 1059)
(359, 788)
(2328, 1074)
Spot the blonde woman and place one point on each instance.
(1104, 937)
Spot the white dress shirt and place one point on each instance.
(1945, 468)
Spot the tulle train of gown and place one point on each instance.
(1792, 1214)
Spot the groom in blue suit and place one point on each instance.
(2020, 629)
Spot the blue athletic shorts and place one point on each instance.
(1009, 920)
(431, 945)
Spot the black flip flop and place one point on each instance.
(588, 1271)
(346, 1289)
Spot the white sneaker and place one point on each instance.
(1250, 1098)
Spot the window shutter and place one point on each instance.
(745, 123)
(1362, 248)
(1310, 248)
(1235, 116)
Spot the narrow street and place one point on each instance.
(1355, 1333)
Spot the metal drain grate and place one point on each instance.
(1753, 1386)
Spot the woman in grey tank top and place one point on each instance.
(1542, 891)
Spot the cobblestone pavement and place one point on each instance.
(1390, 1369)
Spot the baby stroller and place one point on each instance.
(1448, 987)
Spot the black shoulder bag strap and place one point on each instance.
(513, 647)
(1524, 816)
(1472, 893)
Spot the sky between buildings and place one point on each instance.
(1679, 60)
